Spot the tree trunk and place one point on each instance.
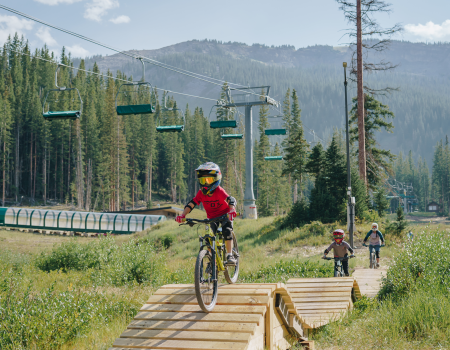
(35, 169)
(44, 175)
(4, 174)
(150, 177)
(31, 166)
(295, 190)
(17, 166)
(360, 88)
(79, 176)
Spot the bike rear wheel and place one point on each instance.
(205, 283)
(232, 272)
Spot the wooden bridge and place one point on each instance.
(246, 316)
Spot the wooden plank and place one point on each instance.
(194, 326)
(313, 307)
(321, 299)
(221, 299)
(240, 309)
(271, 286)
(198, 317)
(319, 280)
(177, 344)
(223, 291)
(320, 285)
(319, 290)
(183, 335)
(322, 294)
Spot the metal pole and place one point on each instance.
(349, 181)
(249, 196)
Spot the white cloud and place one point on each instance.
(56, 2)
(77, 51)
(120, 19)
(9, 25)
(430, 31)
(44, 34)
(98, 8)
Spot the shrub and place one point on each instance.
(424, 262)
(135, 261)
(284, 270)
(297, 216)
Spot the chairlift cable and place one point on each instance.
(151, 61)
(104, 75)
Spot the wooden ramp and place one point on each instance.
(246, 316)
(369, 280)
(322, 300)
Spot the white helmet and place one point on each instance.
(374, 226)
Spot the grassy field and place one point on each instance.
(50, 283)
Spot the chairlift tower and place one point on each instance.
(247, 98)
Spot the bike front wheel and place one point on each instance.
(232, 272)
(205, 281)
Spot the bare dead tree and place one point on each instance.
(370, 36)
(374, 38)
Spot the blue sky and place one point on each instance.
(149, 24)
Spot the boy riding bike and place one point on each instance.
(340, 248)
(374, 242)
(216, 203)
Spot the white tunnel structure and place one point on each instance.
(77, 221)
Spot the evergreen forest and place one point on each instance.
(106, 162)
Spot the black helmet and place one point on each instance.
(209, 177)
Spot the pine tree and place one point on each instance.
(376, 116)
(381, 202)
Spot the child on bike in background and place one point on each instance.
(374, 242)
(340, 248)
(216, 203)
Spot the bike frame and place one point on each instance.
(209, 241)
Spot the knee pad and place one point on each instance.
(377, 254)
(226, 231)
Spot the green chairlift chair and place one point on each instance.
(223, 124)
(146, 108)
(65, 115)
(170, 128)
(274, 132)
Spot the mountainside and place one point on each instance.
(421, 105)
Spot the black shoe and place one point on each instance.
(347, 275)
(231, 261)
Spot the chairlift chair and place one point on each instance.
(170, 128)
(223, 124)
(67, 115)
(146, 108)
(274, 132)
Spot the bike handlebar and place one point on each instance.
(339, 259)
(365, 245)
(190, 221)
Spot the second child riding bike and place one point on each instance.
(376, 241)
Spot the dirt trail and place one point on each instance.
(427, 219)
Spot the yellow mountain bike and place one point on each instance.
(210, 262)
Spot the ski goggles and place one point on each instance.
(207, 180)
(374, 228)
(338, 236)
